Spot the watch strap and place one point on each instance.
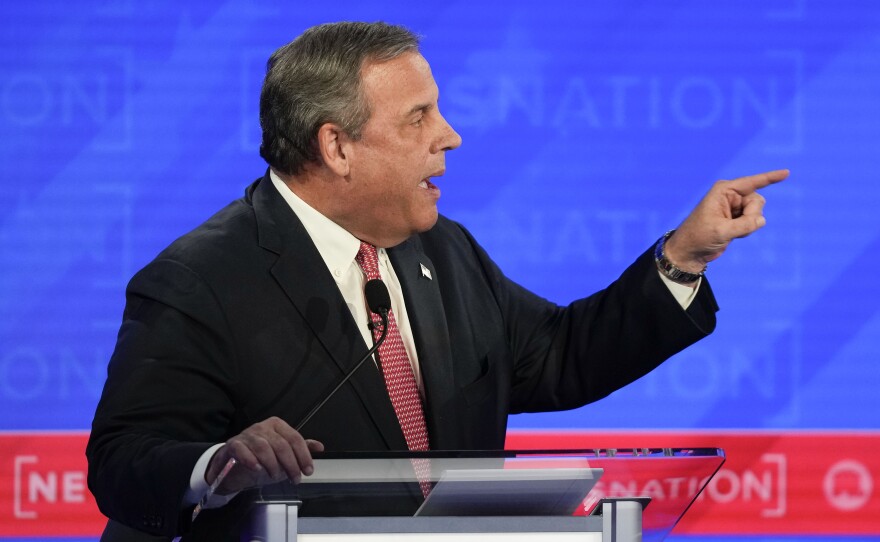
(669, 269)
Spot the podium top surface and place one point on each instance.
(503, 483)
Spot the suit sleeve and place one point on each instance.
(566, 357)
(167, 399)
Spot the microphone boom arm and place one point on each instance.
(384, 314)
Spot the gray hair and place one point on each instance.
(315, 79)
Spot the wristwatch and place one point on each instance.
(668, 268)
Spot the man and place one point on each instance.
(238, 328)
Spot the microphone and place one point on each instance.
(379, 302)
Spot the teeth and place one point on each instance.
(424, 183)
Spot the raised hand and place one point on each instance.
(731, 209)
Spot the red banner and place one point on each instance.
(816, 483)
(819, 483)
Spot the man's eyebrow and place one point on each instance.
(420, 108)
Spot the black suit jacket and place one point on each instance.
(240, 320)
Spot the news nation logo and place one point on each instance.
(35, 488)
(759, 488)
(43, 485)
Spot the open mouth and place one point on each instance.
(427, 184)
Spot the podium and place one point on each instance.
(607, 495)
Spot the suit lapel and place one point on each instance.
(321, 304)
(421, 292)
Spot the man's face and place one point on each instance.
(402, 147)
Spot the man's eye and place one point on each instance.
(418, 122)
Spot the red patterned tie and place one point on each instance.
(399, 378)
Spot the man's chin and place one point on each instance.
(429, 222)
(393, 238)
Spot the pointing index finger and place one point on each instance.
(746, 185)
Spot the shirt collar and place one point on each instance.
(337, 246)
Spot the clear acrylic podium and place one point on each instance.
(608, 495)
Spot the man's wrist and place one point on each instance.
(198, 485)
(669, 269)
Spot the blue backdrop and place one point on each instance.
(589, 128)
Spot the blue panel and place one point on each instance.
(589, 129)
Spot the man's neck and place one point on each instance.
(328, 194)
(309, 186)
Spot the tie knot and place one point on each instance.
(368, 259)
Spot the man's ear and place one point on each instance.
(333, 144)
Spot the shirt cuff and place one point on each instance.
(198, 487)
(682, 293)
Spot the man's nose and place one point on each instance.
(448, 138)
